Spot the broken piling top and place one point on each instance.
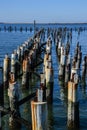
(74, 75)
(6, 63)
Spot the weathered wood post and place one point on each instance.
(67, 69)
(39, 113)
(67, 74)
(49, 84)
(13, 64)
(19, 53)
(59, 49)
(84, 68)
(17, 64)
(6, 70)
(48, 71)
(62, 64)
(43, 85)
(13, 94)
(73, 106)
(22, 53)
(25, 77)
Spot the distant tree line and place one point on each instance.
(11, 28)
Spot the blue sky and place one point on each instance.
(43, 11)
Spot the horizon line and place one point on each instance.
(43, 22)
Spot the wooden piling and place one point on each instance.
(6, 70)
(13, 94)
(73, 106)
(30, 49)
(13, 64)
(72, 92)
(19, 54)
(39, 115)
(67, 74)
(49, 85)
(84, 68)
(25, 77)
(22, 53)
(74, 75)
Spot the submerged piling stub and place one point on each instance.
(73, 106)
(39, 115)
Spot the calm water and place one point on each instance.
(57, 114)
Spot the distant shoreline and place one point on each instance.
(40, 23)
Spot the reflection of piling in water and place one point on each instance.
(83, 86)
(63, 91)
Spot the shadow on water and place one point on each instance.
(50, 117)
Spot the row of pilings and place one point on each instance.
(44, 97)
(71, 72)
(15, 28)
(22, 62)
(21, 29)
